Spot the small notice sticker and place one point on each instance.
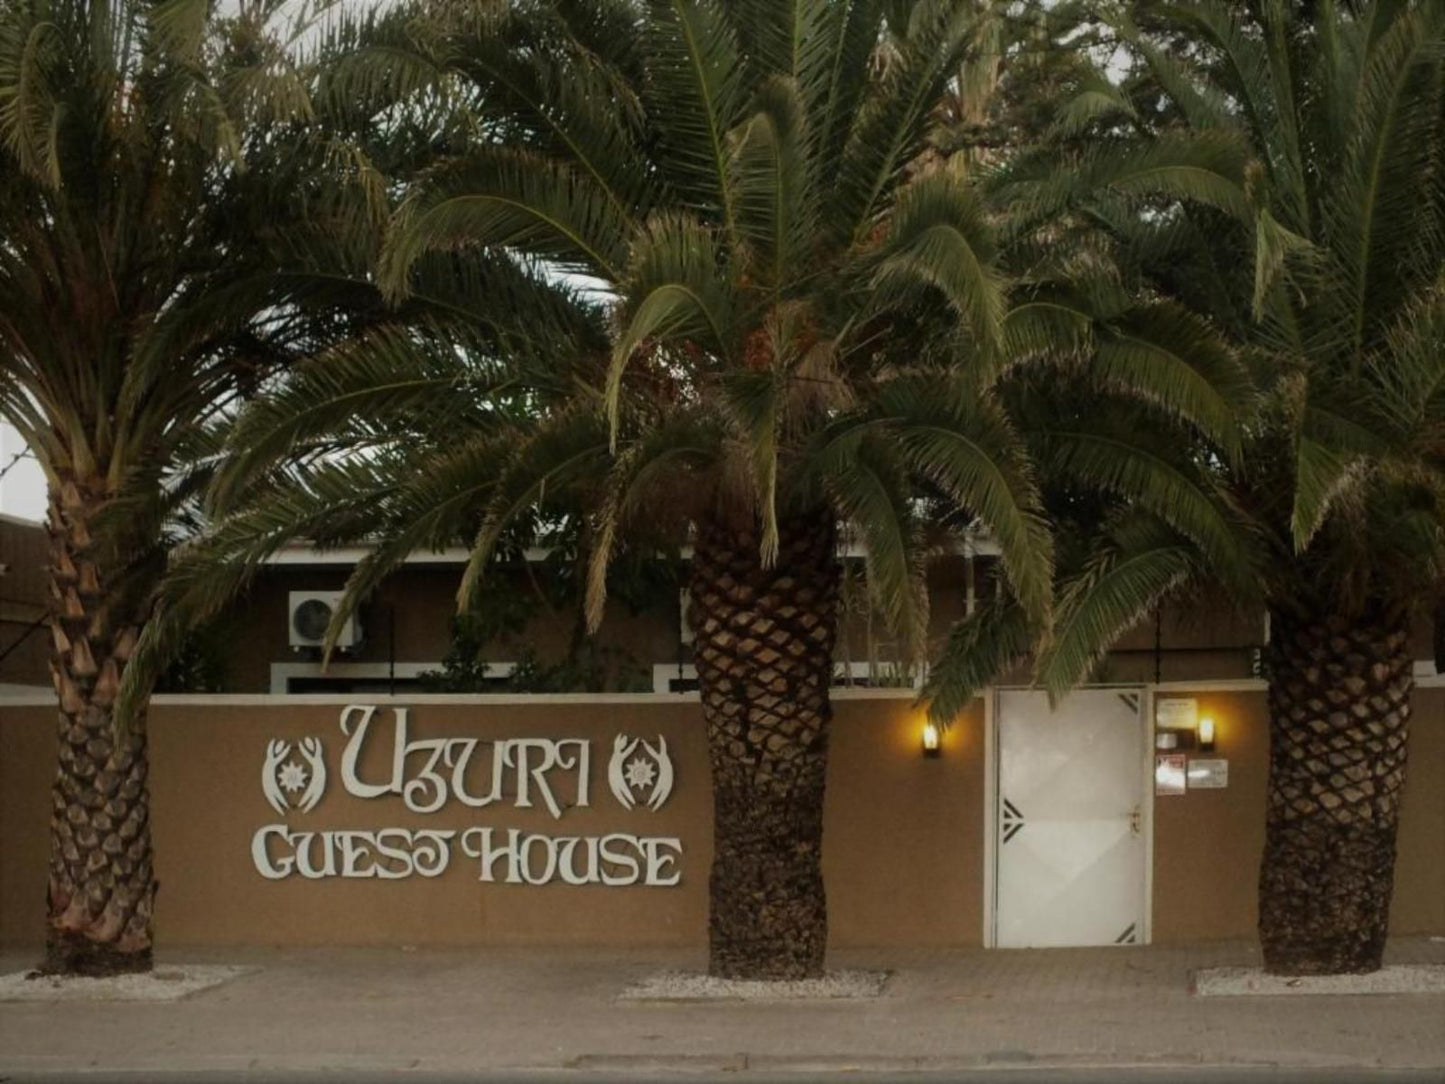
(1208, 774)
(1170, 773)
(1176, 713)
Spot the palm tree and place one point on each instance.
(1259, 224)
(768, 334)
(157, 168)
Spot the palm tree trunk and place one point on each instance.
(102, 888)
(764, 652)
(1339, 703)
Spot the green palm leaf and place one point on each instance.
(771, 171)
(560, 450)
(695, 95)
(1128, 459)
(940, 240)
(980, 648)
(678, 292)
(506, 198)
(1174, 359)
(684, 442)
(1138, 564)
(866, 483)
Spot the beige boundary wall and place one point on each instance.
(904, 847)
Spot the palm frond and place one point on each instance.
(1098, 99)
(892, 121)
(423, 510)
(1274, 247)
(867, 485)
(685, 441)
(940, 240)
(563, 99)
(1130, 459)
(393, 372)
(1175, 360)
(979, 650)
(506, 198)
(559, 451)
(209, 573)
(833, 78)
(771, 173)
(1138, 563)
(695, 95)
(1373, 207)
(676, 291)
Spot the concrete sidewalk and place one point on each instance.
(497, 1010)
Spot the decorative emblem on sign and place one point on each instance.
(291, 784)
(635, 776)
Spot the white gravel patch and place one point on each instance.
(167, 983)
(1251, 981)
(691, 986)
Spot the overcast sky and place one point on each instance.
(22, 490)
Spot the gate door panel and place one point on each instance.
(1071, 847)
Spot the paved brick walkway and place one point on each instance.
(475, 1010)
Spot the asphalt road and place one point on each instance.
(1199, 1075)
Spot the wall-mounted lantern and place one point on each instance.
(932, 740)
(1206, 734)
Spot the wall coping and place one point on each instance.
(238, 700)
(46, 698)
(222, 700)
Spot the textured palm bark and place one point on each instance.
(764, 653)
(1339, 700)
(101, 887)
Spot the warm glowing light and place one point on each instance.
(1206, 732)
(932, 740)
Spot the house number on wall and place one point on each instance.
(428, 775)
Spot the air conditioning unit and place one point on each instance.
(310, 616)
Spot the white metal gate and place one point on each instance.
(1072, 839)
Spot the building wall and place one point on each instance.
(1207, 843)
(903, 851)
(24, 553)
(886, 810)
(409, 618)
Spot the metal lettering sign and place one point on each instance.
(429, 775)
